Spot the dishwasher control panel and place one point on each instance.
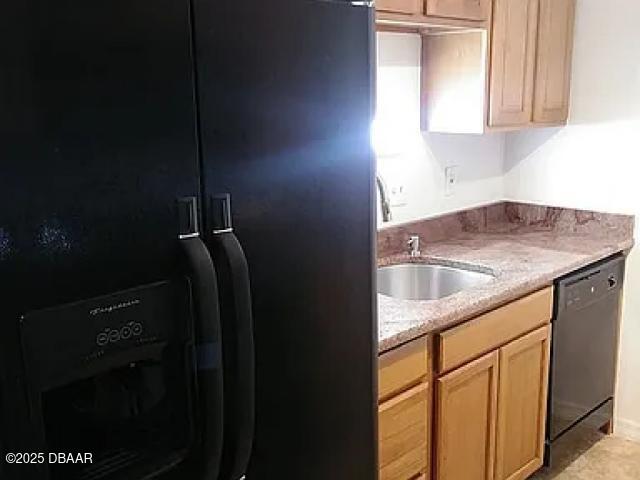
(591, 286)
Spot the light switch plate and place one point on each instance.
(397, 195)
(450, 180)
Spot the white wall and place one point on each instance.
(594, 163)
(417, 161)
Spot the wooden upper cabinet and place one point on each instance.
(553, 71)
(513, 57)
(462, 9)
(466, 421)
(522, 405)
(409, 7)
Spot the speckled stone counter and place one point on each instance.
(524, 246)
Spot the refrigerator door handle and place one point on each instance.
(204, 459)
(239, 354)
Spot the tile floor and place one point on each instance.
(595, 458)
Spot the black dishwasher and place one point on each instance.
(584, 351)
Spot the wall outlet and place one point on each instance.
(397, 195)
(450, 180)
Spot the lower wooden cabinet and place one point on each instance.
(403, 368)
(491, 413)
(486, 411)
(403, 434)
(466, 409)
(522, 405)
(404, 413)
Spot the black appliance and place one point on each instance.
(187, 239)
(584, 353)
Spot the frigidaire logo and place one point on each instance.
(113, 308)
(114, 335)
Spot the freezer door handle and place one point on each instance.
(238, 345)
(205, 458)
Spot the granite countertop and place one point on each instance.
(525, 251)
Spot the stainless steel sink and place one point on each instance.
(415, 281)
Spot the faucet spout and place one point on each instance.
(385, 204)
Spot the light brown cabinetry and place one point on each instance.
(478, 389)
(403, 432)
(454, 81)
(464, 9)
(522, 393)
(553, 70)
(466, 406)
(487, 332)
(402, 368)
(530, 62)
(513, 60)
(404, 413)
(407, 7)
(490, 412)
(415, 15)
(514, 74)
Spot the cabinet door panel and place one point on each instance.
(400, 6)
(404, 434)
(522, 405)
(462, 9)
(466, 420)
(513, 53)
(553, 71)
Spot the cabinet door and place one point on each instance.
(463, 9)
(513, 46)
(553, 71)
(404, 435)
(522, 405)
(466, 419)
(400, 6)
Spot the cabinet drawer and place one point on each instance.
(402, 368)
(493, 329)
(461, 9)
(403, 434)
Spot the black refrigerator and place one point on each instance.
(187, 240)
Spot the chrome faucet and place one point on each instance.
(414, 246)
(385, 205)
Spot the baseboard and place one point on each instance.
(627, 429)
